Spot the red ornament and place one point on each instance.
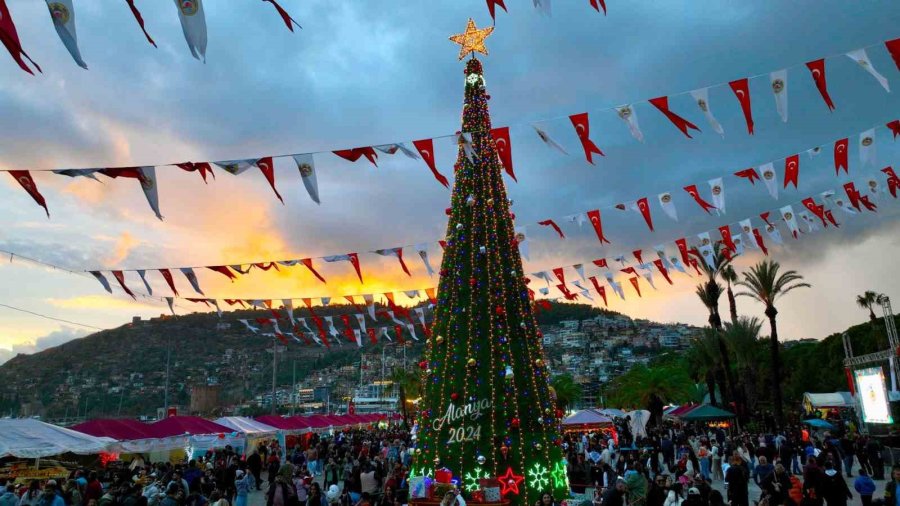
(454, 396)
(509, 482)
(512, 216)
(423, 364)
(448, 211)
(514, 423)
(472, 281)
(499, 310)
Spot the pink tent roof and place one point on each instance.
(123, 429)
(317, 421)
(193, 425)
(283, 422)
(587, 417)
(683, 410)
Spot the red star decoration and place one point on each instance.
(509, 482)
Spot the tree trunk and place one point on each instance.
(729, 377)
(771, 312)
(711, 387)
(732, 305)
(403, 410)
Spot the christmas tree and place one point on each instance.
(487, 409)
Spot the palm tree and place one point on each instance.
(567, 391)
(743, 340)
(729, 276)
(705, 363)
(766, 285)
(408, 386)
(868, 300)
(652, 388)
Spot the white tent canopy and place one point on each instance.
(247, 426)
(828, 400)
(27, 438)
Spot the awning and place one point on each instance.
(190, 425)
(120, 429)
(705, 412)
(247, 426)
(587, 418)
(828, 400)
(27, 438)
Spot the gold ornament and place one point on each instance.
(538, 362)
(472, 39)
(537, 446)
(439, 339)
(471, 362)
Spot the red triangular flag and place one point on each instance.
(840, 156)
(140, 20)
(830, 216)
(552, 224)
(692, 191)
(491, 4)
(267, 167)
(309, 265)
(662, 269)
(356, 306)
(425, 147)
(760, 242)
(168, 277)
(232, 302)
(893, 47)
(683, 249)
(202, 167)
(600, 290)
(741, 89)
(597, 4)
(560, 275)
(354, 259)
(791, 170)
(765, 217)
(749, 174)
(399, 331)
(355, 154)
(601, 262)
(817, 69)
(504, 149)
(402, 263)
(288, 20)
(816, 209)
(223, 269)
(120, 277)
(893, 182)
(662, 103)
(638, 254)
(23, 177)
(637, 287)
(431, 295)
(725, 230)
(894, 126)
(583, 130)
(10, 38)
(594, 216)
(644, 208)
(372, 338)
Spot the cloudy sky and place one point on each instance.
(367, 73)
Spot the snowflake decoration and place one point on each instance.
(538, 477)
(471, 480)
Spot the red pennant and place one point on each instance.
(892, 181)
(267, 167)
(431, 295)
(600, 290)
(629, 270)
(662, 269)
(372, 338)
(261, 321)
(288, 20)
(830, 216)
(638, 256)
(749, 174)
(232, 302)
(816, 209)
(760, 242)
(894, 126)
(201, 167)
(560, 275)
(741, 89)
(10, 38)
(355, 154)
(662, 103)
(402, 263)
(567, 293)
(140, 20)
(644, 208)
(683, 249)
(224, 270)
(443, 244)
(594, 216)
(354, 259)
(695, 264)
(840, 156)
(765, 217)
(893, 47)
(692, 191)
(168, 277)
(120, 277)
(544, 305)
(399, 331)
(504, 149)
(492, 3)
(852, 195)
(425, 147)
(308, 303)
(637, 287)
(817, 69)
(267, 266)
(725, 230)
(309, 265)
(583, 130)
(552, 224)
(348, 330)
(601, 262)
(206, 302)
(868, 204)
(597, 4)
(23, 177)
(318, 322)
(791, 170)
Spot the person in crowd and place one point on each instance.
(892, 487)
(777, 486)
(243, 483)
(9, 497)
(615, 496)
(834, 488)
(217, 499)
(93, 489)
(316, 496)
(32, 495)
(281, 490)
(173, 496)
(737, 481)
(762, 470)
(254, 465)
(864, 486)
(51, 495)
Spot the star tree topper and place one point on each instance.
(472, 39)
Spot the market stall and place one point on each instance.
(590, 420)
(132, 437)
(254, 431)
(710, 415)
(28, 438)
(203, 435)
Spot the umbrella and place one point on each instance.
(818, 423)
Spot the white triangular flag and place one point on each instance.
(361, 320)
(522, 239)
(787, 214)
(717, 188)
(814, 152)
(307, 168)
(544, 291)
(412, 331)
(289, 307)
(549, 140)
(326, 301)
(842, 203)
(580, 219)
(648, 275)
(579, 268)
(422, 249)
(661, 253)
(464, 139)
(615, 285)
(192, 279)
(629, 116)
(358, 337)
(874, 189)
(420, 313)
(370, 305)
(171, 302)
(861, 58)
(383, 332)
(193, 24)
(390, 149)
(770, 178)
(215, 304)
(665, 202)
(148, 185)
(701, 96)
(706, 249)
(412, 294)
(747, 230)
(811, 225)
(779, 82)
(867, 148)
(251, 328)
(676, 262)
(143, 274)
(304, 325)
(332, 331)
(236, 167)
(63, 15)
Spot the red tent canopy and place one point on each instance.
(683, 410)
(123, 429)
(193, 425)
(283, 422)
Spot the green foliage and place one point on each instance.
(666, 378)
(567, 391)
(559, 312)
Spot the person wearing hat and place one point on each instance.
(693, 498)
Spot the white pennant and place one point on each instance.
(412, 331)
(779, 82)
(544, 291)
(787, 214)
(701, 96)
(370, 305)
(581, 287)
(193, 24)
(522, 238)
(580, 219)
(549, 140)
(676, 262)
(874, 189)
(412, 294)
(143, 274)
(215, 304)
(390, 149)
(615, 285)
(738, 244)
(770, 178)
(422, 249)
(867, 148)
(192, 279)
(251, 328)
(706, 249)
(579, 268)
(304, 325)
(63, 15)
(358, 337)
(384, 333)
(862, 59)
(648, 275)
(148, 185)
(236, 167)
(420, 313)
(840, 202)
(629, 116)
(747, 230)
(171, 302)
(307, 167)
(333, 332)
(661, 253)
(326, 301)
(717, 188)
(665, 202)
(289, 307)
(361, 320)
